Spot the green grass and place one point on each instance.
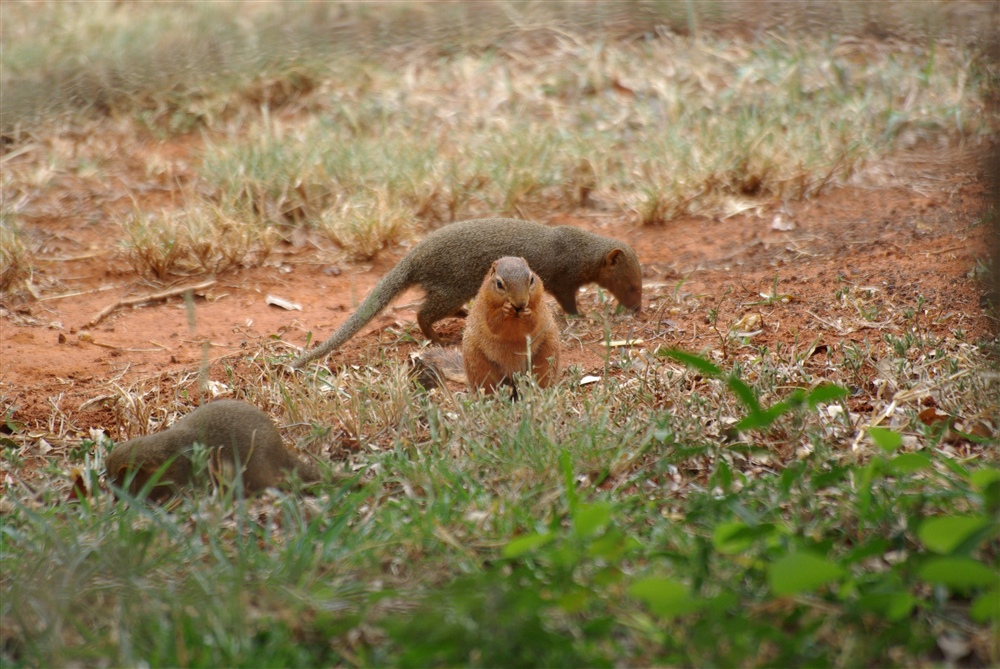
(743, 510)
(696, 517)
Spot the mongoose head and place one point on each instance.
(621, 274)
(513, 282)
(142, 457)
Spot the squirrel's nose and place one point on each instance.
(518, 308)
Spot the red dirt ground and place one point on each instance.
(916, 235)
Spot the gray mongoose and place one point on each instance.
(449, 264)
(228, 428)
(510, 329)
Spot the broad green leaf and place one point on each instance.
(986, 607)
(830, 478)
(873, 547)
(892, 606)
(982, 478)
(826, 392)
(589, 519)
(987, 481)
(959, 573)
(612, 545)
(801, 572)
(691, 360)
(759, 419)
(946, 533)
(900, 606)
(908, 463)
(574, 601)
(608, 576)
(885, 439)
(526, 544)
(564, 555)
(665, 597)
(723, 475)
(732, 538)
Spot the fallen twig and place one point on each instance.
(75, 294)
(153, 297)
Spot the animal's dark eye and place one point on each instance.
(531, 280)
(499, 284)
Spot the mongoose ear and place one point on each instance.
(613, 256)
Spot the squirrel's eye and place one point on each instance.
(531, 280)
(499, 284)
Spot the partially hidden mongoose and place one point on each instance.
(510, 329)
(239, 438)
(449, 265)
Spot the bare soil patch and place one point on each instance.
(845, 266)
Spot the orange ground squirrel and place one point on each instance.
(449, 264)
(510, 329)
(233, 431)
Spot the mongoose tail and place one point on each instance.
(385, 291)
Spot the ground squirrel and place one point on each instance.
(510, 328)
(234, 433)
(449, 265)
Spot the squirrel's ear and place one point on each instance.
(612, 257)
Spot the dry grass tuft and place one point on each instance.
(364, 229)
(203, 239)
(664, 127)
(16, 257)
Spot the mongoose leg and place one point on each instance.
(435, 307)
(567, 300)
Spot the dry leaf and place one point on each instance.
(750, 321)
(781, 225)
(981, 429)
(81, 485)
(930, 416)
